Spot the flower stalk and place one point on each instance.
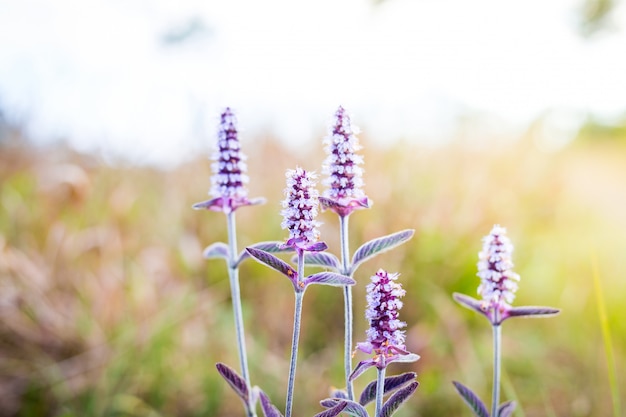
(498, 284)
(300, 208)
(343, 195)
(380, 391)
(233, 276)
(228, 193)
(299, 212)
(297, 320)
(347, 302)
(497, 348)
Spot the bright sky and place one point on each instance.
(121, 76)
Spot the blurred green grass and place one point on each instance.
(108, 309)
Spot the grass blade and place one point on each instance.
(606, 336)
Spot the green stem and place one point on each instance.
(296, 335)
(380, 391)
(347, 298)
(497, 354)
(233, 275)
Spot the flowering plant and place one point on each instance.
(343, 195)
(385, 337)
(497, 288)
(386, 341)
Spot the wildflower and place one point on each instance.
(229, 170)
(300, 207)
(342, 165)
(384, 337)
(498, 281)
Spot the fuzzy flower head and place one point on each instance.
(229, 166)
(384, 337)
(498, 281)
(344, 183)
(300, 207)
(229, 170)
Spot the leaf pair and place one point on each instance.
(323, 278)
(368, 363)
(402, 386)
(478, 407)
(525, 311)
(367, 251)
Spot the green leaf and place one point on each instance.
(372, 248)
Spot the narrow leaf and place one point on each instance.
(472, 400)
(532, 312)
(323, 259)
(411, 357)
(330, 402)
(236, 382)
(470, 303)
(269, 247)
(506, 409)
(332, 412)
(212, 204)
(360, 368)
(216, 250)
(339, 393)
(317, 247)
(397, 399)
(352, 408)
(273, 262)
(355, 409)
(328, 278)
(392, 383)
(269, 409)
(373, 247)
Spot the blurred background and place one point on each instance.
(472, 113)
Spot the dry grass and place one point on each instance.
(108, 309)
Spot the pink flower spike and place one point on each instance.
(495, 269)
(342, 165)
(300, 208)
(384, 338)
(229, 171)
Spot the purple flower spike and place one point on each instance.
(229, 171)
(300, 207)
(384, 337)
(498, 281)
(342, 165)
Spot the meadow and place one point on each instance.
(107, 307)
